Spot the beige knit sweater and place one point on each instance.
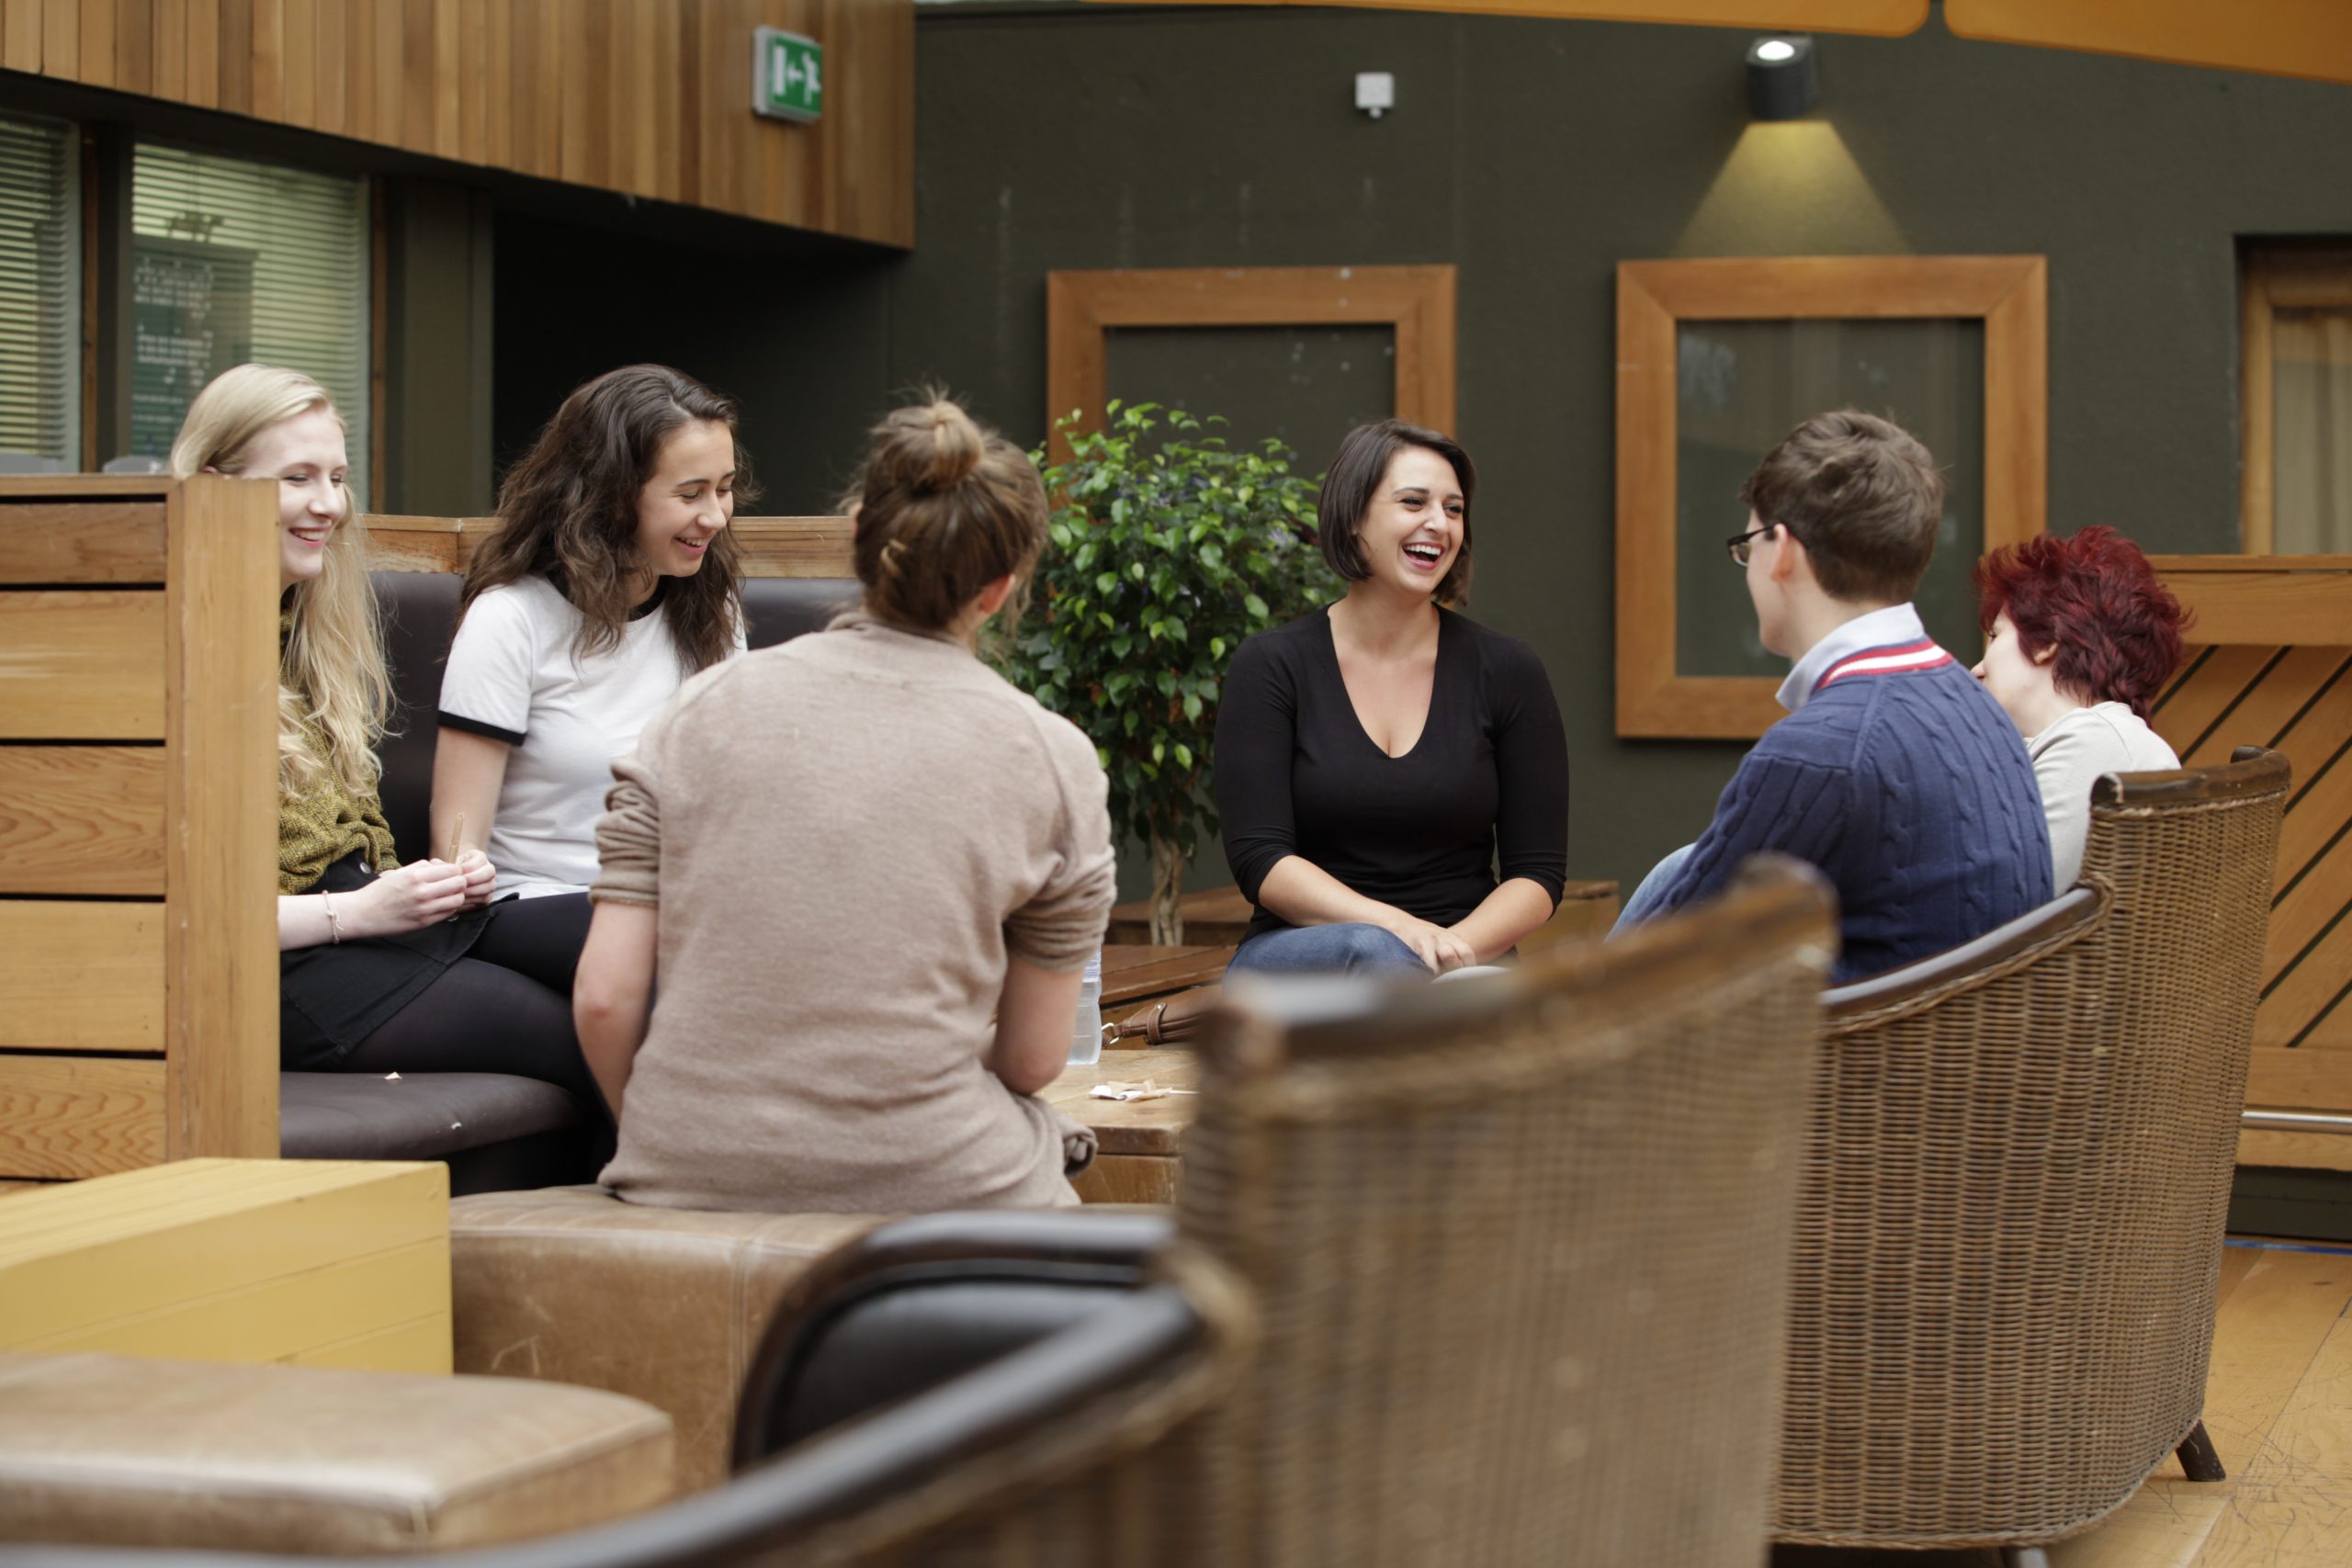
(845, 836)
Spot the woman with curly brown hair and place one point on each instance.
(611, 578)
(2080, 634)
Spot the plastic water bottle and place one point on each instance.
(1086, 1033)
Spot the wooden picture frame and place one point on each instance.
(2271, 276)
(2010, 294)
(1416, 302)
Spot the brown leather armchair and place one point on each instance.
(2018, 1168)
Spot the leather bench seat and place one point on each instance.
(493, 1129)
(134, 1451)
(665, 1305)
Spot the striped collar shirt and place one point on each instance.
(1892, 638)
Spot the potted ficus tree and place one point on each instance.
(1167, 550)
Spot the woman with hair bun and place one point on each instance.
(608, 581)
(868, 873)
(2080, 634)
(383, 967)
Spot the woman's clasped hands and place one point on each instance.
(420, 893)
(1443, 948)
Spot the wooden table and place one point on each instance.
(1138, 1138)
(1135, 972)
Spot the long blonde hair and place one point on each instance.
(330, 674)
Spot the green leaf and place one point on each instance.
(1256, 606)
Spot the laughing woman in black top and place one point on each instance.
(1392, 775)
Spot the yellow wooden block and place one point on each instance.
(326, 1262)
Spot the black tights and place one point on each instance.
(503, 1008)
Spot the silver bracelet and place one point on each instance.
(335, 930)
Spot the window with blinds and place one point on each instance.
(233, 261)
(40, 298)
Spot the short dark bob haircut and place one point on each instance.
(2096, 601)
(1353, 483)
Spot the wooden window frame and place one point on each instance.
(2009, 294)
(1416, 302)
(2296, 277)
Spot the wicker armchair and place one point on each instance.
(2010, 1231)
(1519, 1247)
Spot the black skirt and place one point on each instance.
(332, 996)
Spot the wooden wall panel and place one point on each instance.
(652, 97)
(82, 541)
(81, 977)
(68, 1117)
(82, 820)
(84, 666)
(2273, 667)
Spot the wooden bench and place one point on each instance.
(137, 818)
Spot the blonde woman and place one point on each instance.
(383, 967)
(872, 872)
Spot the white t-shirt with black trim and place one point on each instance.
(514, 675)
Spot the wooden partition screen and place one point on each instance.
(138, 822)
(772, 547)
(2270, 664)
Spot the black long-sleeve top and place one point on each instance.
(1481, 798)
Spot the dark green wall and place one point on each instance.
(1533, 156)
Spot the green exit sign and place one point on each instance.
(787, 76)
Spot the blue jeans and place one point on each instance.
(1643, 904)
(1351, 947)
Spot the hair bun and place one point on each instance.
(930, 447)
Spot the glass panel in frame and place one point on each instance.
(1742, 386)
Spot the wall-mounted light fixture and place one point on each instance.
(1781, 83)
(1375, 92)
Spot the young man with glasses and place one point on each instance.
(1894, 772)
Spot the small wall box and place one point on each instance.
(326, 1263)
(787, 76)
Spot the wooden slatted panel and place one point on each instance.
(69, 1117)
(647, 97)
(2264, 713)
(82, 820)
(771, 546)
(2205, 696)
(81, 977)
(84, 541)
(82, 666)
(2277, 671)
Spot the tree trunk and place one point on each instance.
(1166, 888)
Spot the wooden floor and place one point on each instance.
(2279, 1405)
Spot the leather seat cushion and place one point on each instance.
(666, 1305)
(134, 1451)
(414, 1116)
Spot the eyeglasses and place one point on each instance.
(1741, 545)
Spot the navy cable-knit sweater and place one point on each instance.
(1910, 789)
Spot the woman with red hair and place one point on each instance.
(2079, 636)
